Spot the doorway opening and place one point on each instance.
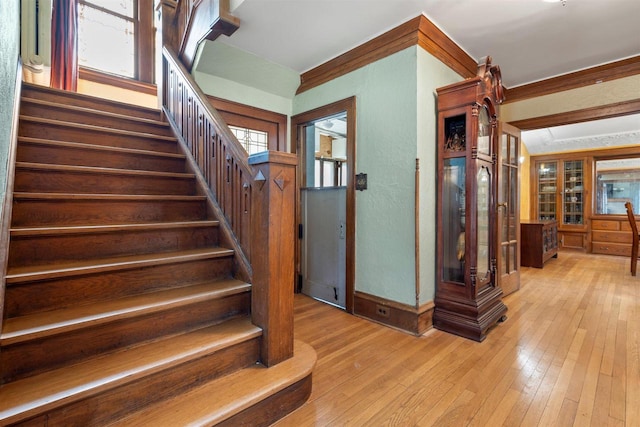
(325, 144)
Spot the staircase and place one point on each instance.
(121, 305)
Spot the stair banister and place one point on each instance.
(255, 195)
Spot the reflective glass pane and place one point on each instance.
(483, 186)
(122, 7)
(453, 220)
(617, 182)
(513, 150)
(484, 132)
(504, 147)
(503, 263)
(106, 42)
(512, 258)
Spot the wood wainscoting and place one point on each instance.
(391, 313)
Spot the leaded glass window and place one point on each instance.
(254, 141)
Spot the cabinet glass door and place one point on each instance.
(547, 181)
(572, 196)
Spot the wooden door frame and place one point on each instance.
(347, 105)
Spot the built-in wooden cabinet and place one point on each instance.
(585, 193)
(560, 192)
(611, 235)
(539, 242)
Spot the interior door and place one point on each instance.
(323, 210)
(323, 244)
(509, 209)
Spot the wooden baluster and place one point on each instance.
(272, 249)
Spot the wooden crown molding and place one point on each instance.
(418, 31)
(603, 73)
(587, 114)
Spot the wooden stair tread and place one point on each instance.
(30, 396)
(106, 197)
(93, 229)
(97, 128)
(44, 91)
(101, 148)
(79, 109)
(224, 397)
(39, 325)
(49, 271)
(102, 170)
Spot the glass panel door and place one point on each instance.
(547, 190)
(509, 209)
(572, 203)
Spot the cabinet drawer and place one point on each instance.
(611, 236)
(603, 224)
(611, 249)
(625, 226)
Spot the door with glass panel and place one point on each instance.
(509, 209)
(323, 209)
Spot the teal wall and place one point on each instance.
(9, 50)
(432, 74)
(386, 134)
(395, 124)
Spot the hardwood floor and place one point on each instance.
(568, 355)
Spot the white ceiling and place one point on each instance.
(531, 40)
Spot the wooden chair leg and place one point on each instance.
(634, 259)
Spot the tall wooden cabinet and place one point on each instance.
(468, 301)
(560, 192)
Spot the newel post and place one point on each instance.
(273, 251)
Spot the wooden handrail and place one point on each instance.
(254, 197)
(193, 21)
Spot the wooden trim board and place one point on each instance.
(405, 317)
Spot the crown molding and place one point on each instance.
(593, 113)
(602, 73)
(418, 31)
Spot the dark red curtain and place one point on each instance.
(64, 45)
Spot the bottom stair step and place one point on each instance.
(254, 396)
(102, 389)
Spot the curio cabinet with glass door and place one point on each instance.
(468, 300)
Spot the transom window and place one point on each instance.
(117, 37)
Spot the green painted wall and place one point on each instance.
(432, 74)
(386, 133)
(9, 50)
(396, 123)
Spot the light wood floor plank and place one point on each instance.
(569, 354)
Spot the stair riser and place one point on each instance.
(273, 408)
(64, 349)
(79, 156)
(72, 98)
(25, 251)
(30, 213)
(43, 295)
(59, 112)
(54, 181)
(62, 132)
(119, 402)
